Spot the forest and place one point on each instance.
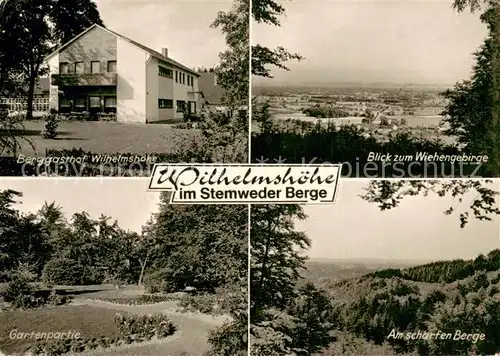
(295, 312)
(442, 296)
(49, 259)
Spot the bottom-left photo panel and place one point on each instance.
(105, 267)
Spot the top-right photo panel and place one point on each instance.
(392, 89)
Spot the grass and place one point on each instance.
(102, 137)
(93, 318)
(88, 321)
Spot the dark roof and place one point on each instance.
(155, 54)
(211, 92)
(152, 52)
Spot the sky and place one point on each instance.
(124, 199)
(416, 230)
(181, 26)
(377, 41)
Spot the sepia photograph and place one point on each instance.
(102, 267)
(93, 87)
(399, 267)
(402, 85)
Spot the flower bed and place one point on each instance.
(131, 328)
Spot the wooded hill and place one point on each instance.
(446, 296)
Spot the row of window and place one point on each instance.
(180, 77)
(23, 106)
(93, 102)
(169, 104)
(21, 100)
(165, 103)
(79, 67)
(165, 72)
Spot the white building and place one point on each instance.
(101, 71)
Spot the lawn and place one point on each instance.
(103, 137)
(94, 318)
(89, 321)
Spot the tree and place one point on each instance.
(388, 195)
(276, 256)
(31, 29)
(233, 69)
(268, 12)
(193, 239)
(146, 247)
(22, 239)
(224, 138)
(206, 247)
(474, 105)
(314, 315)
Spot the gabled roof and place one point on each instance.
(148, 50)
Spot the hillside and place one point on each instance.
(439, 297)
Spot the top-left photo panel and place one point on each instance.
(110, 88)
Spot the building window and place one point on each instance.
(110, 104)
(80, 103)
(79, 67)
(189, 80)
(165, 72)
(95, 102)
(64, 103)
(176, 76)
(95, 67)
(183, 78)
(63, 68)
(165, 103)
(181, 105)
(112, 66)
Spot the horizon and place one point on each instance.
(352, 85)
(387, 260)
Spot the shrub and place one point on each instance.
(158, 281)
(229, 339)
(401, 289)
(51, 124)
(143, 327)
(63, 271)
(20, 294)
(77, 345)
(57, 299)
(206, 304)
(93, 275)
(141, 300)
(131, 327)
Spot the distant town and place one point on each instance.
(381, 110)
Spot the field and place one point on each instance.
(102, 137)
(95, 318)
(327, 272)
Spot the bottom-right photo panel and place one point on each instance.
(394, 267)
